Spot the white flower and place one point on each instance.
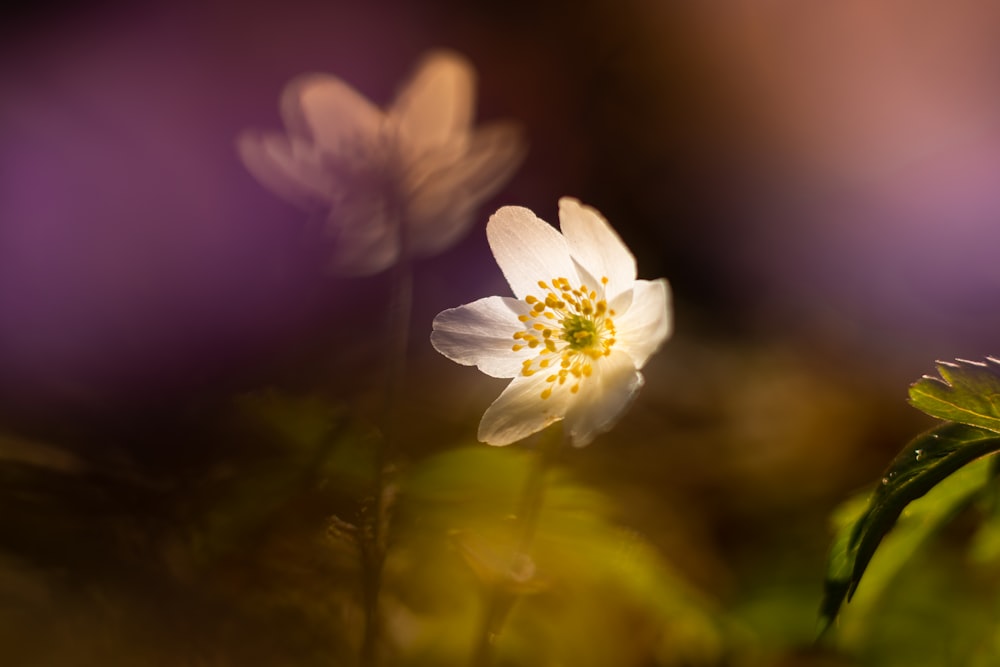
(403, 181)
(575, 337)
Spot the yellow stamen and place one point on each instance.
(577, 328)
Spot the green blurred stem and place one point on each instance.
(376, 520)
(502, 594)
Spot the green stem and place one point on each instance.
(373, 539)
(499, 596)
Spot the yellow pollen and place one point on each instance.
(568, 323)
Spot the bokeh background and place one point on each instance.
(816, 180)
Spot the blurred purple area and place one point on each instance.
(817, 171)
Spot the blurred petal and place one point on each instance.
(334, 115)
(437, 104)
(647, 322)
(481, 334)
(365, 240)
(528, 249)
(443, 206)
(520, 411)
(596, 245)
(434, 228)
(602, 398)
(289, 168)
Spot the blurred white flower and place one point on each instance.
(575, 337)
(403, 181)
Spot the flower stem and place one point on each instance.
(373, 539)
(500, 597)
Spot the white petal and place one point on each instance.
(528, 249)
(443, 206)
(647, 323)
(520, 411)
(437, 104)
(596, 245)
(481, 334)
(289, 168)
(603, 397)
(334, 115)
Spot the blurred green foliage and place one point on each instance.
(589, 578)
(255, 560)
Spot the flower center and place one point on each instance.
(579, 331)
(570, 327)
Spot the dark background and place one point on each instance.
(814, 173)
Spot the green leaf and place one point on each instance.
(924, 463)
(968, 392)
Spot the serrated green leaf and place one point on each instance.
(925, 462)
(968, 392)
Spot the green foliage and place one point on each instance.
(926, 462)
(935, 475)
(289, 446)
(968, 392)
(236, 552)
(585, 576)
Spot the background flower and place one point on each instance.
(407, 180)
(575, 337)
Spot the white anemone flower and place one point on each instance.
(575, 337)
(401, 182)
